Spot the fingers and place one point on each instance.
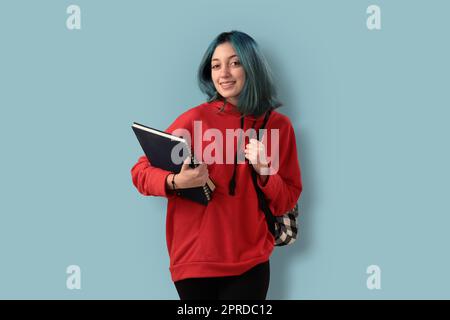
(186, 162)
(194, 176)
(202, 168)
(201, 174)
(254, 146)
(253, 143)
(255, 151)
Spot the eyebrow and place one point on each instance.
(235, 55)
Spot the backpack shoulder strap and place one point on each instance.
(270, 219)
(266, 118)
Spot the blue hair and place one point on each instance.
(259, 93)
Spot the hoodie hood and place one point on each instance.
(231, 109)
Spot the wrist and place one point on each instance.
(178, 181)
(169, 186)
(172, 181)
(263, 169)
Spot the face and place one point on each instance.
(227, 72)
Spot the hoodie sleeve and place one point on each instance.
(282, 189)
(149, 180)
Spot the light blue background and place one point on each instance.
(370, 111)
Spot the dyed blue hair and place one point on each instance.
(259, 93)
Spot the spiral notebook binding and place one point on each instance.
(207, 192)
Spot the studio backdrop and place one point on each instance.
(365, 84)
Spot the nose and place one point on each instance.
(224, 72)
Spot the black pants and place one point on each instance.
(251, 285)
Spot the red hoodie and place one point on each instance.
(230, 235)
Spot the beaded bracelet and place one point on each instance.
(173, 181)
(173, 185)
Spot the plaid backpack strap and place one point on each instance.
(286, 227)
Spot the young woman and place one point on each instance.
(222, 250)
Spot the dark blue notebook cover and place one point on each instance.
(158, 145)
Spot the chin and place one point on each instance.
(228, 96)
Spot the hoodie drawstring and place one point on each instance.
(232, 184)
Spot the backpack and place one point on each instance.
(283, 228)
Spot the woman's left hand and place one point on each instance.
(255, 152)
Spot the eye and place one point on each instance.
(214, 66)
(236, 63)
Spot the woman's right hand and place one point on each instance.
(191, 177)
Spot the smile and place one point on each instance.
(228, 84)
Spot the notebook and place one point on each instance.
(158, 145)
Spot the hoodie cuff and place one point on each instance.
(167, 192)
(271, 187)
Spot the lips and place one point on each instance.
(227, 84)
